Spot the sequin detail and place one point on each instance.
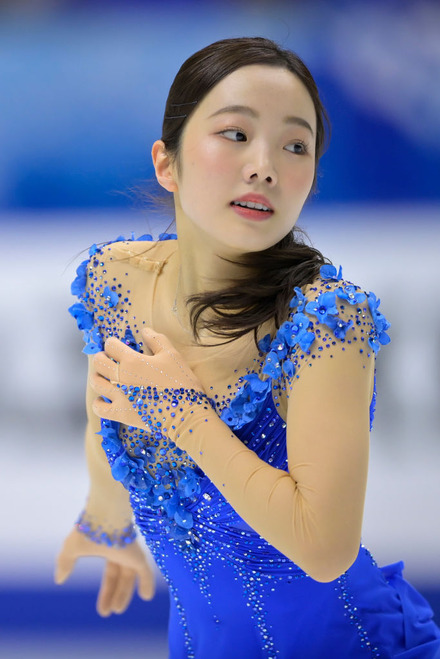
(351, 612)
(114, 538)
(194, 534)
(160, 484)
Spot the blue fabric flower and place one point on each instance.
(111, 297)
(109, 434)
(350, 294)
(272, 366)
(264, 343)
(296, 331)
(378, 336)
(83, 317)
(168, 492)
(328, 271)
(299, 300)
(279, 345)
(183, 517)
(288, 368)
(339, 327)
(247, 402)
(324, 307)
(93, 341)
(229, 417)
(78, 285)
(188, 484)
(167, 236)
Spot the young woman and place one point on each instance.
(232, 383)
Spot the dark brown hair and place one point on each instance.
(273, 273)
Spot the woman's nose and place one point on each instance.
(260, 168)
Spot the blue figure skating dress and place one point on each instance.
(234, 595)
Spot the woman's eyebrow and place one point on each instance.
(250, 112)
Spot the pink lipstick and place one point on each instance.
(253, 206)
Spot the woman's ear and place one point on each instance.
(163, 166)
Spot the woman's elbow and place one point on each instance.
(331, 565)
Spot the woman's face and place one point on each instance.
(250, 141)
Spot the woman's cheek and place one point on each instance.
(302, 178)
(213, 157)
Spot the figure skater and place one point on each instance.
(231, 389)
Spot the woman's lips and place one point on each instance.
(252, 213)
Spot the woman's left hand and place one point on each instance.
(120, 365)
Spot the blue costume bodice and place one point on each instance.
(232, 593)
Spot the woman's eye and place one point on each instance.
(234, 134)
(298, 147)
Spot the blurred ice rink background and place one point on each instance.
(82, 90)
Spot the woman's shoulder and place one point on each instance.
(330, 280)
(343, 307)
(328, 311)
(142, 252)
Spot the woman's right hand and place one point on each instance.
(124, 566)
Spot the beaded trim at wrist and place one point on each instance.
(115, 538)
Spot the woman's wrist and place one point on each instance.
(169, 411)
(104, 534)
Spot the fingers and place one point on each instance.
(155, 341)
(116, 349)
(64, 567)
(101, 386)
(106, 367)
(146, 584)
(107, 590)
(124, 590)
(116, 590)
(104, 410)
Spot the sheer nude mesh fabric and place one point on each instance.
(313, 513)
(315, 509)
(133, 271)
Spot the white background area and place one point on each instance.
(390, 250)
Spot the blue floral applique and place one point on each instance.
(264, 343)
(351, 294)
(324, 308)
(168, 492)
(299, 331)
(329, 272)
(78, 286)
(111, 297)
(378, 336)
(299, 300)
(339, 327)
(248, 401)
(93, 342)
(83, 317)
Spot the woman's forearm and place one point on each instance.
(267, 498)
(108, 502)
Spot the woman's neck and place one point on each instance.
(204, 264)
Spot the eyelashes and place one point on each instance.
(298, 144)
(236, 131)
(298, 147)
